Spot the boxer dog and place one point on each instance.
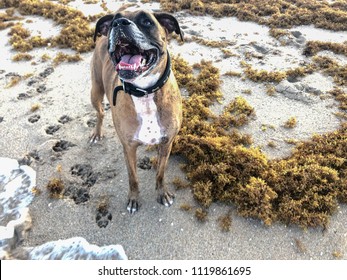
(132, 66)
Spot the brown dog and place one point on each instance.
(131, 65)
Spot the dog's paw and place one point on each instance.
(166, 198)
(95, 138)
(133, 206)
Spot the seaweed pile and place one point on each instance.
(274, 13)
(76, 32)
(326, 64)
(7, 18)
(303, 189)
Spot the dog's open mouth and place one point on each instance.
(131, 61)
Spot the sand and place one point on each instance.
(61, 95)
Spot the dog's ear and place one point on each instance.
(102, 26)
(170, 23)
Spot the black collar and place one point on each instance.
(139, 92)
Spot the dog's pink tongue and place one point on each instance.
(129, 62)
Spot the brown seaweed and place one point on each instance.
(303, 189)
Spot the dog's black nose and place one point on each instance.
(121, 22)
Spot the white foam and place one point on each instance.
(76, 248)
(16, 193)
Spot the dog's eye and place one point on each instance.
(147, 22)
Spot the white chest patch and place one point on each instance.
(149, 131)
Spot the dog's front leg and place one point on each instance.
(130, 159)
(163, 195)
(97, 96)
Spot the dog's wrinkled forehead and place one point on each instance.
(143, 19)
(138, 17)
(140, 21)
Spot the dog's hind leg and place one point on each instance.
(163, 195)
(97, 97)
(130, 159)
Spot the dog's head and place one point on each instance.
(137, 41)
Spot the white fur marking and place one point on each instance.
(145, 81)
(149, 131)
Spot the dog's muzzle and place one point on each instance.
(130, 51)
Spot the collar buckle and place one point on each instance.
(143, 90)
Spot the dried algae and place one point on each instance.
(291, 123)
(55, 188)
(313, 47)
(303, 189)
(76, 32)
(62, 57)
(274, 13)
(225, 222)
(7, 18)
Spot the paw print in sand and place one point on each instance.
(103, 216)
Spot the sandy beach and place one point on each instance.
(46, 119)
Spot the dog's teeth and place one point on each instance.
(151, 58)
